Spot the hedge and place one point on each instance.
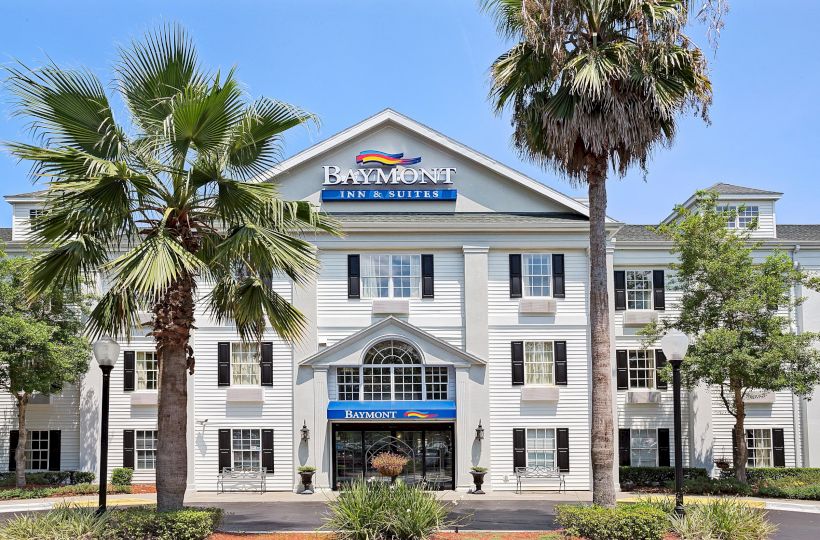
(758, 474)
(656, 476)
(50, 478)
(61, 491)
(714, 486)
(629, 522)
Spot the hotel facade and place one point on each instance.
(451, 319)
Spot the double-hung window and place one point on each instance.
(246, 448)
(145, 447)
(643, 444)
(391, 276)
(146, 370)
(759, 444)
(245, 368)
(639, 289)
(540, 447)
(741, 217)
(537, 274)
(539, 365)
(37, 451)
(641, 368)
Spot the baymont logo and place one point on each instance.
(386, 169)
(377, 157)
(417, 414)
(380, 415)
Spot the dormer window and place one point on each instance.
(739, 217)
(35, 213)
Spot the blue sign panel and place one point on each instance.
(391, 410)
(389, 194)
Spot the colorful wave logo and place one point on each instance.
(421, 415)
(377, 157)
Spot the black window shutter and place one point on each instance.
(128, 448)
(561, 363)
(427, 277)
(517, 350)
(734, 446)
(660, 363)
(623, 369)
(562, 440)
(224, 449)
(353, 274)
(624, 449)
(128, 370)
(663, 447)
(620, 289)
(515, 275)
(54, 448)
(266, 362)
(519, 448)
(223, 363)
(558, 289)
(267, 450)
(778, 448)
(14, 436)
(658, 290)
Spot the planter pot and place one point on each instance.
(478, 480)
(307, 482)
(722, 464)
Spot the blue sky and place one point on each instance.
(428, 59)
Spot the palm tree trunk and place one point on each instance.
(174, 319)
(603, 450)
(20, 452)
(741, 451)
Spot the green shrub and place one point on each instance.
(49, 478)
(306, 469)
(757, 474)
(63, 491)
(627, 522)
(83, 477)
(121, 476)
(655, 476)
(146, 523)
(786, 490)
(714, 486)
(367, 510)
(722, 519)
(478, 469)
(62, 523)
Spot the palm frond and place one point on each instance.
(115, 314)
(69, 265)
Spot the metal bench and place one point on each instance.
(539, 472)
(242, 476)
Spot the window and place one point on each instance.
(759, 443)
(641, 368)
(246, 446)
(537, 270)
(37, 451)
(639, 289)
(643, 445)
(145, 445)
(35, 213)
(245, 368)
(739, 217)
(391, 276)
(146, 368)
(540, 447)
(538, 363)
(392, 370)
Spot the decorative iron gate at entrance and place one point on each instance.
(428, 448)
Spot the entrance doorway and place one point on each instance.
(429, 448)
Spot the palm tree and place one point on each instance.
(595, 85)
(174, 201)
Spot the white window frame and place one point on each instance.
(30, 449)
(141, 362)
(649, 356)
(648, 292)
(752, 459)
(744, 215)
(253, 376)
(546, 451)
(545, 274)
(373, 266)
(246, 455)
(145, 449)
(547, 361)
(653, 447)
(34, 213)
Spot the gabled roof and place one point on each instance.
(31, 196)
(389, 116)
(731, 189)
(378, 329)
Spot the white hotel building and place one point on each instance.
(458, 298)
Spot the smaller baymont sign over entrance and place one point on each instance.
(392, 174)
(391, 410)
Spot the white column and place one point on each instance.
(319, 448)
(304, 404)
(475, 300)
(464, 429)
(701, 436)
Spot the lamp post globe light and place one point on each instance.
(106, 351)
(675, 345)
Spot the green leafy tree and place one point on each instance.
(735, 309)
(171, 203)
(594, 87)
(42, 347)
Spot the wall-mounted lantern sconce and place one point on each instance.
(479, 432)
(305, 431)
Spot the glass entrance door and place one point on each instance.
(438, 459)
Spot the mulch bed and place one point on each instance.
(143, 488)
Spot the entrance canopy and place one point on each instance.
(391, 410)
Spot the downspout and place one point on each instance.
(799, 403)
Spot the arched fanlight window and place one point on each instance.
(392, 352)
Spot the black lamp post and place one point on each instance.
(674, 345)
(106, 351)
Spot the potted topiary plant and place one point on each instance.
(389, 464)
(306, 472)
(478, 478)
